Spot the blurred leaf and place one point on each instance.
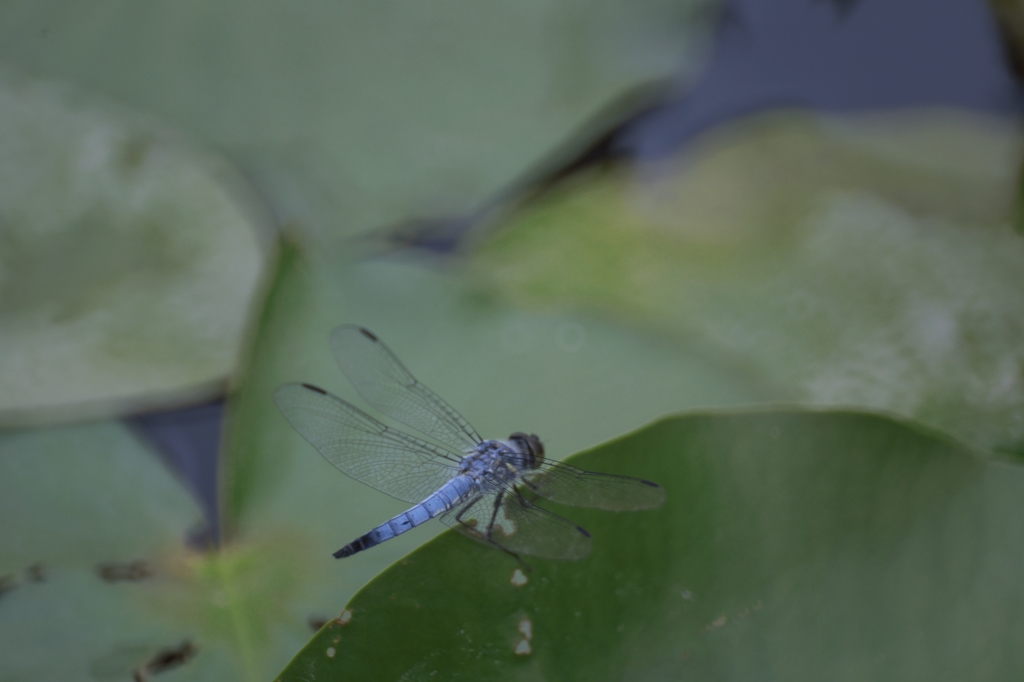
(571, 379)
(862, 262)
(1010, 17)
(95, 580)
(75, 501)
(108, 520)
(128, 259)
(353, 115)
(838, 546)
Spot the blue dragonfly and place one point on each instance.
(486, 489)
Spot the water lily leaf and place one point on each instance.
(97, 583)
(570, 379)
(128, 259)
(87, 514)
(351, 116)
(859, 262)
(793, 545)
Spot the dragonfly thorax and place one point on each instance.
(501, 462)
(486, 458)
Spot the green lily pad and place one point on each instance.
(793, 545)
(97, 583)
(351, 116)
(128, 259)
(866, 262)
(571, 379)
(88, 514)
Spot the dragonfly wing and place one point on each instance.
(519, 527)
(565, 484)
(384, 458)
(384, 382)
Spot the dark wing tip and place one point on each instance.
(583, 530)
(368, 334)
(650, 483)
(315, 389)
(343, 552)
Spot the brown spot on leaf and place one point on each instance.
(166, 659)
(131, 572)
(36, 573)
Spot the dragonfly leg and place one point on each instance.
(494, 515)
(486, 537)
(490, 534)
(506, 550)
(465, 508)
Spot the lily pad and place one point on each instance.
(573, 380)
(128, 259)
(793, 545)
(351, 115)
(87, 515)
(866, 261)
(97, 581)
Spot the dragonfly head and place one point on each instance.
(530, 447)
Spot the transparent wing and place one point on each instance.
(566, 484)
(393, 462)
(519, 527)
(385, 383)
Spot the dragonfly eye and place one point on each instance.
(529, 445)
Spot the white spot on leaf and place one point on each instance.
(518, 578)
(345, 617)
(526, 628)
(523, 648)
(719, 622)
(330, 652)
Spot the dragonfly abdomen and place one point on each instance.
(446, 497)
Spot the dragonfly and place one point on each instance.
(485, 489)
